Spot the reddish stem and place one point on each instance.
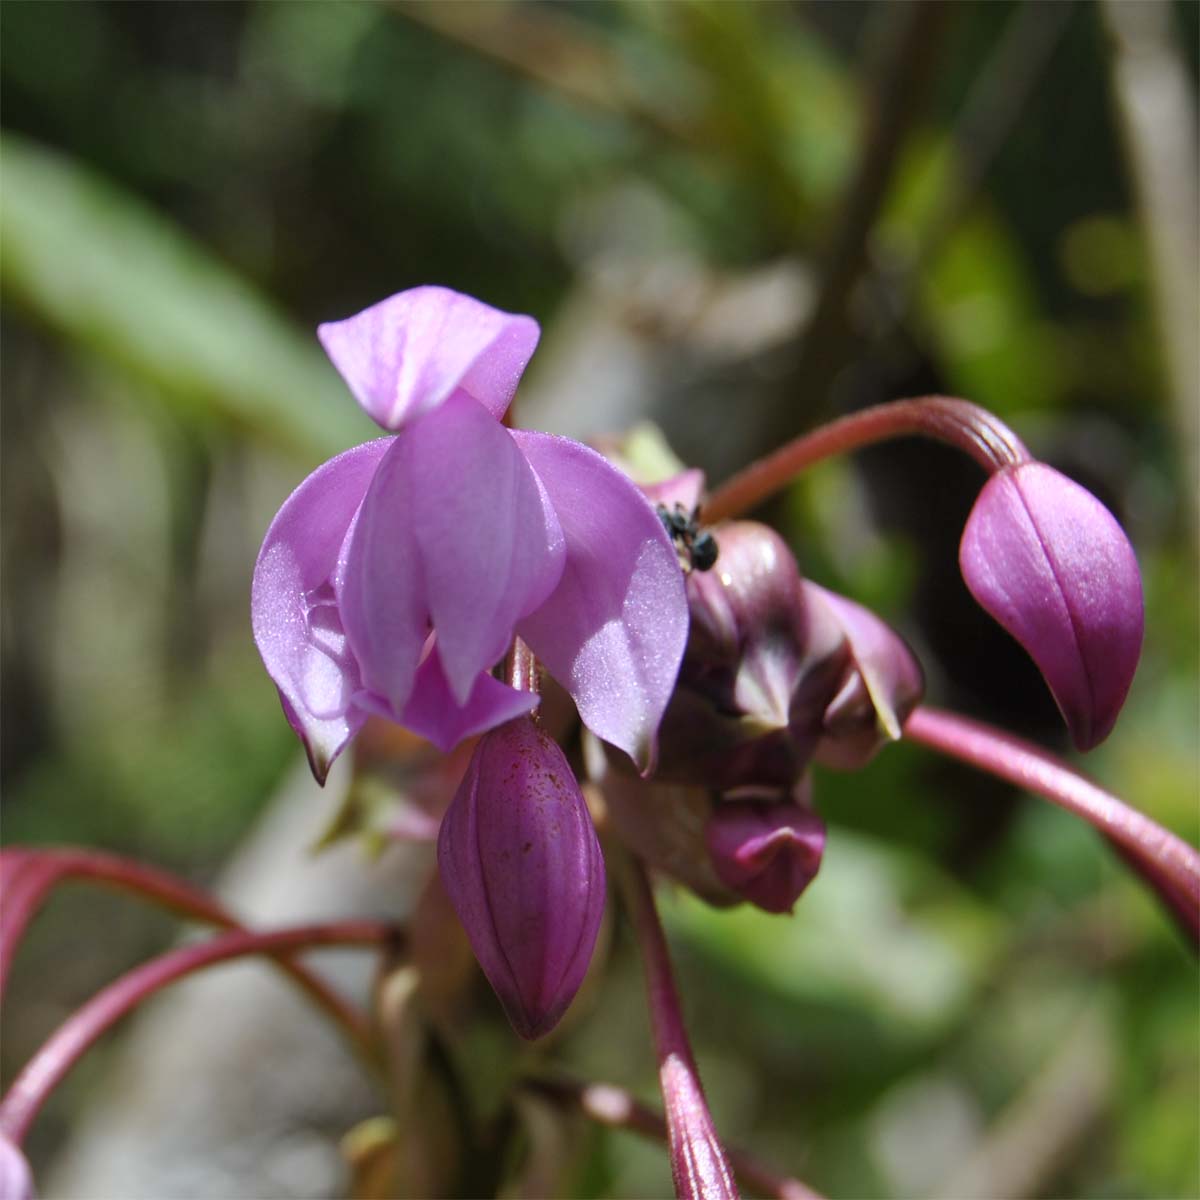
(963, 425)
(521, 668)
(75, 1036)
(699, 1166)
(27, 875)
(615, 1107)
(1166, 862)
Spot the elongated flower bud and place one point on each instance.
(1045, 558)
(522, 866)
(766, 852)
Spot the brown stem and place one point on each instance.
(27, 875)
(699, 1165)
(958, 423)
(1166, 862)
(80, 1031)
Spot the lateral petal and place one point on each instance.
(406, 355)
(294, 614)
(433, 712)
(613, 630)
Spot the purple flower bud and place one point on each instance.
(758, 671)
(16, 1180)
(882, 684)
(1045, 558)
(522, 866)
(767, 852)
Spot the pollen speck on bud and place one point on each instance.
(521, 863)
(1050, 563)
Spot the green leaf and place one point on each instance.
(102, 270)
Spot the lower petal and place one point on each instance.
(433, 712)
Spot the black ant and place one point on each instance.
(697, 548)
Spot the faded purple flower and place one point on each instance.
(1045, 558)
(882, 683)
(768, 852)
(395, 577)
(521, 864)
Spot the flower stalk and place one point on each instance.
(958, 423)
(699, 1166)
(75, 1036)
(1165, 862)
(27, 876)
(610, 1105)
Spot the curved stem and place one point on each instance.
(699, 1166)
(76, 1035)
(960, 424)
(1166, 862)
(28, 875)
(613, 1106)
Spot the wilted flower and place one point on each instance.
(778, 671)
(766, 851)
(881, 684)
(394, 578)
(1051, 564)
(522, 866)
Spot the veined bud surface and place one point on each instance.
(521, 863)
(1050, 563)
(757, 672)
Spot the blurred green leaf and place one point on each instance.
(104, 271)
(879, 930)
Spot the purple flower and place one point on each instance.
(522, 866)
(394, 578)
(1045, 558)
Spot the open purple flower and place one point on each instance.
(1045, 558)
(396, 575)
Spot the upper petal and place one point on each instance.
(405, 355)
(294, 614)
(1045, 558)
(613, 630)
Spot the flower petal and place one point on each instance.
(491, 546)
(296, 621)
(881, 685)
(406, 355)
(1050, 563)
(433, 712)
(613, 630)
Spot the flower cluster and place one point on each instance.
(419, 577)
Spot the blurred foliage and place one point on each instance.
(188, 188)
